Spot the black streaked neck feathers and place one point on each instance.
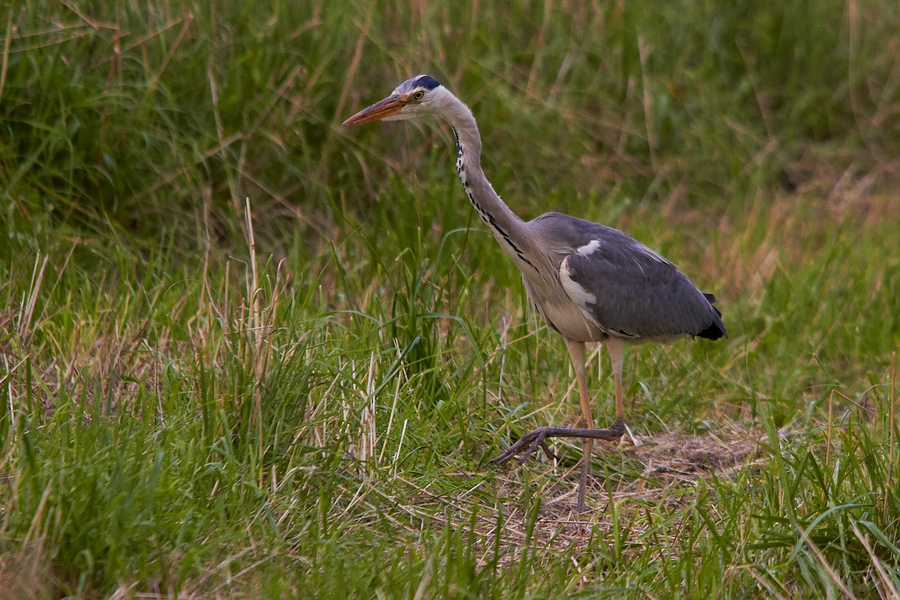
(508, 229)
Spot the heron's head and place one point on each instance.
(418, 96)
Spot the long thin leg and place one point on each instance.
(616, 349)
(529, 442)
(576, 351)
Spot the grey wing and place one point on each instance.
(632, 291)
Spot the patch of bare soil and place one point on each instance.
(663, 470)
(687, 457)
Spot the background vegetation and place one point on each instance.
(245, 352)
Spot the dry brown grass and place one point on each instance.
(25, 576)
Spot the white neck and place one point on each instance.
(508, 229)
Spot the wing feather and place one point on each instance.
(627, 288)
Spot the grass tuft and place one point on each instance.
(247, 353)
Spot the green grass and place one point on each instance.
(245, 352)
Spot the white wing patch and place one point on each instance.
(578, 294)
(572, 316)
(588, 248)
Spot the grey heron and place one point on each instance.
(589, 282)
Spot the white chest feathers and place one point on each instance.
(569, 307)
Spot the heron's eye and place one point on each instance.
(419, 95)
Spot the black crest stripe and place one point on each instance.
(426, 81)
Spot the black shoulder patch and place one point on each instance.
(426, 81)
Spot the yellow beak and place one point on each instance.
(385, 108)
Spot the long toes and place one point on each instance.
(503, 458)
(534, 444)
(508, 454)
(550, 455)
(525, 445)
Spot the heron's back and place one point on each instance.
(616, 286)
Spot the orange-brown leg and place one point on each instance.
(529, 442)
(616, 349)
(576, 351)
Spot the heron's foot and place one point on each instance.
(529, 442)
(617, 428)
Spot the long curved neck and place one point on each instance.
(508, 229)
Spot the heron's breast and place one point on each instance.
(572, 322)
(565, 310)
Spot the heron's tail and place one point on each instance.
(716, 329)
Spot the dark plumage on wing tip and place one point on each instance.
(717, 329)
(714, 331)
